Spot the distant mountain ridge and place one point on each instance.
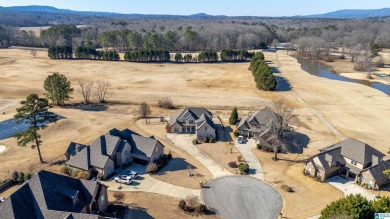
(50, 9)
(347, 13)
(354, 13)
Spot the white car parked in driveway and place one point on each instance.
(123, 179)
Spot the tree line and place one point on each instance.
(235, 55)
(148, 55)
(262, 74)
(82, 52)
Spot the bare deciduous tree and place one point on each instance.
(144, 110)
(101, 90)
(85, 90)
(285, 110)
(33, 53)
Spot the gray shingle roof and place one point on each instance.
(46, 196)
(335, 156)
(203, 120)
(259, 121)
(356, 150)
(81, 160)
(74, 148)
(377, 170)
(196, 112)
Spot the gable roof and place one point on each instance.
(99, 152)
(74, 148)
(204, 120)
(196, 112)
(49, 195)
(139, 144)
(377, 170)
(331, 155)
(356, 150)
(258, 121)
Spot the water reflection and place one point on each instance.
(319, 69)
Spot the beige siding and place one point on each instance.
(109, 168)
(159, 150)
(310, 169)
(126, 155)
(176, 125)
(103, 200)
(358, 165)
(203, 133)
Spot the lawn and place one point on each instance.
(157, 206)
(309, 196)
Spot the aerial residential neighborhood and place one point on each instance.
(194, 109)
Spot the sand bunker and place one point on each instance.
(2, 148)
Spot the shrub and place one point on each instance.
(28, 176)
(15, 176)
(182, 204)
(169, 156)
(233, 164)
(319, 178)
(205, 140)
(21, 177)
(74, 173)
(236, 133)
(200, 209)
(258, 146)
(195, 142)
(379, 63)
(151, 168)
(119, 197)
(192, 201)
(211, 140)
(65, 170)
(287, 188)
(245, 135)
(166, 102)
(244, 168)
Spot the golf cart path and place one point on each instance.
(146, 183)
(255, 168)
(184, 142)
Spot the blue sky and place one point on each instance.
(214, 7)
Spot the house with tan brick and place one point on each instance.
(350, 158)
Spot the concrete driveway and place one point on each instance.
(255, 168)
(184, 142)
(146, 183)
(349, 188)
(242, 197)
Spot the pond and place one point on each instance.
(10, 128)
(319, 69)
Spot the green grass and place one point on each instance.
(3, 57)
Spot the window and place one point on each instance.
(176, 130)
(353, 162)
(205, 128)
(191, 121)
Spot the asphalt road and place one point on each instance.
(242, 197)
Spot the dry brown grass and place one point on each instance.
(222, 153)
(309, 196)
(158, 206)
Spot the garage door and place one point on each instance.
(140, 161)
